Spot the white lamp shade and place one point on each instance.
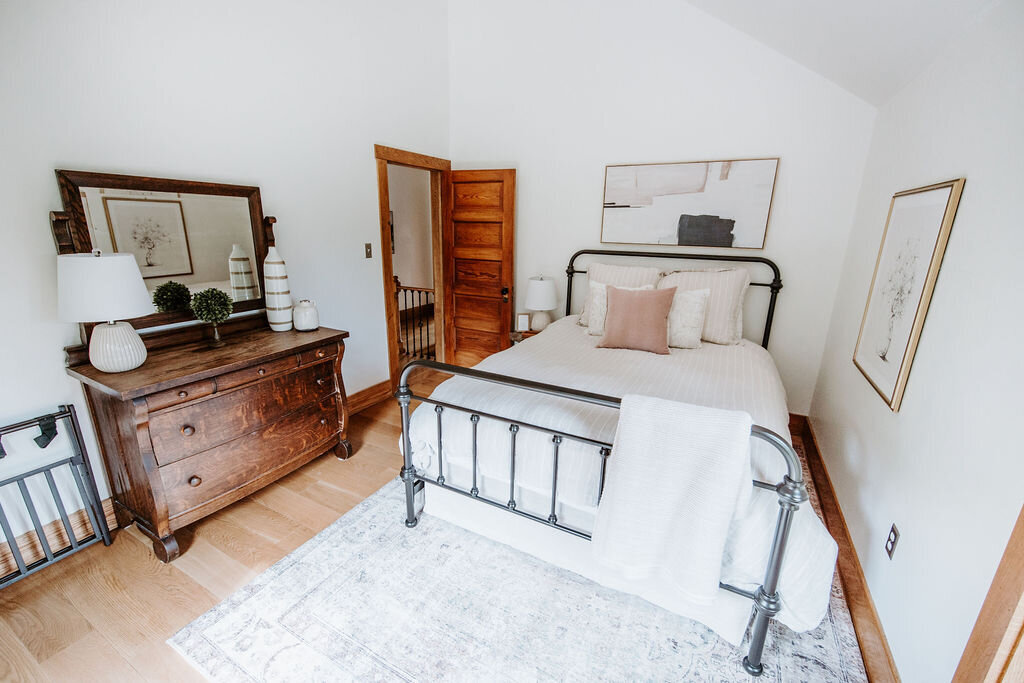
(540, 294)
(96, 288)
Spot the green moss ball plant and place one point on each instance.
(212, 306)
(172, 296)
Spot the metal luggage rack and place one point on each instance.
(78, 465)
(791, 490)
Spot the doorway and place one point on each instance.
(411, 192)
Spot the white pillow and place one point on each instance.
(686, 318)
(723, 319)
(631, 277)
(597, 301)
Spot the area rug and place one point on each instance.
(368, 599)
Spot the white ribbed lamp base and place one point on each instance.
(116, 347)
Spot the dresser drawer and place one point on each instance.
(313, 355)
(182, 394)
(196, 480)
(229, 380)
(195, 427)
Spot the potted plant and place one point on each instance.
(212, 306)
(172, 296)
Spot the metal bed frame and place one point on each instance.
(791, 490)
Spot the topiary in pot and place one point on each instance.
(172, 296)
(212, 306)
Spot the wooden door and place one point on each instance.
(478, 266)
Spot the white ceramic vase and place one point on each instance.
(278, 295)
(305, 316)
(243, 285)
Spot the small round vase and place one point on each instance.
(305, 316)
(279, 296)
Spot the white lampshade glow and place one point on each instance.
(100, 288)
(540, 294)
(95, 288)
(541, 297)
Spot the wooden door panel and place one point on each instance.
(478, 313)
(478, 277)
(478, 260)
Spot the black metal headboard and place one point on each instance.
(775, 285)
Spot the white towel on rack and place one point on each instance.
(678, 477)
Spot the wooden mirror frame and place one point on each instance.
(71, 229)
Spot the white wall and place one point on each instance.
(947, 468)
(409, 197)
(287, 96)
(558, 90)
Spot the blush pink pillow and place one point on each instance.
(637, 319)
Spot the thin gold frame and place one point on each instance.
(767, 220)
(184, 230)
(921, 312)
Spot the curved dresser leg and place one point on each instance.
(166, 548)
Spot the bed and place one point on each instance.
(529, 431)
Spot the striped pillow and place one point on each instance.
(723, 319)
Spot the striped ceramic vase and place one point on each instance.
(279, 297)
(243, 285)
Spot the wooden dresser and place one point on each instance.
(196, 428)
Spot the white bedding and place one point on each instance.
(741, 377)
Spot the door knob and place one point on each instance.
(504, 294)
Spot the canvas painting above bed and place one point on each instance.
(700, 203)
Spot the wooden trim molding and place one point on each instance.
(404, 158)
(361, 400)
(56, 536)
(995, 651)
(874, 648)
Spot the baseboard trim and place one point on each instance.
(874, 647)
(32, 551)
(369, 396)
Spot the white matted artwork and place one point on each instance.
(694, 204)
(153, 230)
(913, 244)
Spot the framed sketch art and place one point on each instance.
(153, 230)
(694, 204)
(913, 243)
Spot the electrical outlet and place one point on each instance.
(890, 543)
(369, 250)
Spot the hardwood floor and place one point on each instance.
(104, 613)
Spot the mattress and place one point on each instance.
(740, 377)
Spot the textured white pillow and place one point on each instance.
(597, 300)
(631, 277)
(686, 318)
(723, 319)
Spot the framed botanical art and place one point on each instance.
(913, 243)
(694, 204)
(153, 230)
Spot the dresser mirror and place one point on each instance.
(201, 235)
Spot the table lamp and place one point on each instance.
(103, 288)
(541, 297)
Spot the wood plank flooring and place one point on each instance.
(104, 613)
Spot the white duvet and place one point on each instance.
(741, 377)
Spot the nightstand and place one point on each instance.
(517, 337)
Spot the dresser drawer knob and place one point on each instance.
(323, 420)
(321, 353)
(188, 430)
(194, 481)
(321, 381)
(261, 371)
(182, 394)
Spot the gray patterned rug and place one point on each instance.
(368, 599)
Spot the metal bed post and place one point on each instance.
(408, 472)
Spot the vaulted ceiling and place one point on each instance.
(871, 48)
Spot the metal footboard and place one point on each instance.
(791, 490)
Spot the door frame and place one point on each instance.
(439, 171)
